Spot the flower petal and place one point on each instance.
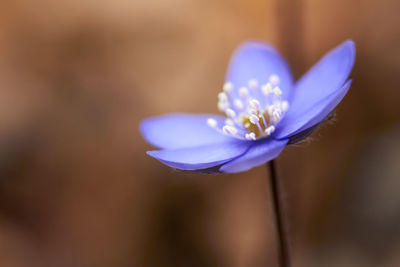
(259, 153)
(291, 126)
(323, 80)
(182, 130)
(257, 60)
(201, 157)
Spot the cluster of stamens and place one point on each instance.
(252, 111)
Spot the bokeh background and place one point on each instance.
(76, 188)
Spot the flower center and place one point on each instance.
(252, 111)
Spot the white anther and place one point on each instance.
(254, 103)
(227, 129)
(254, 119)
(266, 89)
(276, 115)
(247, 125)
(238, 104)
(230, 113)
(229, 122)
(228, 86)
(284, 106)
(270, 130)
(243, 92)
(250, 136)
(277, 91)
(212, 122)
(222, 96)
(274, 79)
(252, 110)
(222, 106)
(269, 109)
(253, 83)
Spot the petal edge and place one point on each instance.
(313, 116)
(326, 77)
(259, 153)
(201, 157)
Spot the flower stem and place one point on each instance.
(284, 260)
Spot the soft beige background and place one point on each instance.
(76, 188)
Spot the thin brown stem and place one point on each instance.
(284, 259)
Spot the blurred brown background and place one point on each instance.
(76, 188)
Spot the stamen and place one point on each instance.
(250, 136)
(284, 106)
(277, 91)
(227, 129)
(238, 104)
(276, 115)
(229, 122)
(274, 79)
(212, 122)
(270, 130)
(222, 96)
(254, 119)
(230, 113)
(259, 127)
(263, 118)
(254, 103)
(243, 92)
(245, 113)
(252, 110)
(269, 110)
(266, 89)
(228, 86)
(222, 106)
(253, 83)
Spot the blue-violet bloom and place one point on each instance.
(265, 111)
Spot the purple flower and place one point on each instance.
(265, 110)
